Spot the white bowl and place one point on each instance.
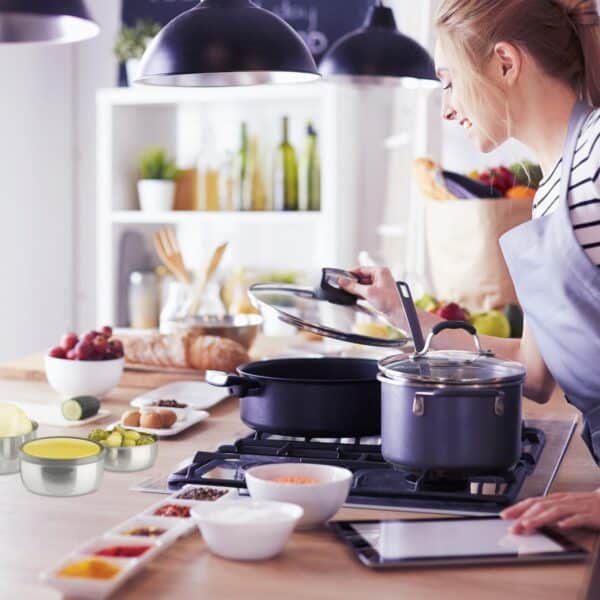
(246, 529)
(72, 378)
(320, 501)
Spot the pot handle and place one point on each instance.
(418, 407)
(238, 385)
(436, 329)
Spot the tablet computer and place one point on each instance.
(451, 542)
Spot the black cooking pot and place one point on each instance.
(451, 411)
(307, 397)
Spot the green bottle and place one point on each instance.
(285, 188)
(313, 170)
(242, 170)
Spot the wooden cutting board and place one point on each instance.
(31, 368)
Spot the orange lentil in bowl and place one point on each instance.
(295, 480)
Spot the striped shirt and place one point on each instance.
(584, 189)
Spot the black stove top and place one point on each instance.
(377, 483)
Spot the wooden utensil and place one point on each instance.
(211, 269)
(167, 248)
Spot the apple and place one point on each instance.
(452, 312)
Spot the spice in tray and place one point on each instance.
(145, 531)
(171, 404)
(202, 493)
(123, 551)
(295, 480)
(90, 568)
(173, 510)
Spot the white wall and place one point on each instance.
(95, 68)
(36, 180)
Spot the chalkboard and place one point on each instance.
(320, 22)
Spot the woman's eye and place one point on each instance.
(447, 86)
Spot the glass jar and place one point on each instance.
(179, 302)
(144, 300)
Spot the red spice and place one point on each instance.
(123, 551)
(173, 510)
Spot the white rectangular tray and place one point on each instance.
(198, 395)
(194, 417)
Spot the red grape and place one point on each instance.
(71, 354)
(89, 337)
(69, 340)
(116, 347)
(83, 350)
(58, 352)
(100, 344)
(107, 331)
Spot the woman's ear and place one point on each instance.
(507, 62)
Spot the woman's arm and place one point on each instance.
(378, 287)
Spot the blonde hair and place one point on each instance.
(562, 36)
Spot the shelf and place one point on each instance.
(177, 217)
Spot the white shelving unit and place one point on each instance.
(129, 120)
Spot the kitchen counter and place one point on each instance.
(36, 531)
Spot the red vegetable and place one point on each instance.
(123, 551)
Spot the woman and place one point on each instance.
(530, 70)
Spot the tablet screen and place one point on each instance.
(431, 539)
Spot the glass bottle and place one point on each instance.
(255, 196)
(285, 175)
(208, 173)
(242, 169)
(313, 170)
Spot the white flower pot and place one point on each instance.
(156, 195)
(132, 67)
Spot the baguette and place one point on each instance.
(425, 171)
(185, 351)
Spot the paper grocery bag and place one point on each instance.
(466, 264)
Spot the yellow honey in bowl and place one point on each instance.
(61, 448)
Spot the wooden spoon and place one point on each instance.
(211, 269)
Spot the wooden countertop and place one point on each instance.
(36, 531)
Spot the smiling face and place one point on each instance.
(481, 112)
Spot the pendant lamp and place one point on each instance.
(378, 53)
(45, 22)
(226, 43)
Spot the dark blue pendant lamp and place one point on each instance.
(226, 43)
(378, 53)
(45, 22)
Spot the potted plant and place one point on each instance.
(156, 187)
(132, 43)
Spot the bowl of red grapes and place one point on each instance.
(86, 365)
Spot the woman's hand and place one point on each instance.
(564, 510)
(378, 287)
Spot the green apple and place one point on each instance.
(492, 323)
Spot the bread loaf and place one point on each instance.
(185, 351)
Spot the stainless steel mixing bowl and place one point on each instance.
(135, 458)
(242, 329)
(9, 450)
(62, 477)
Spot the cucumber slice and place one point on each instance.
(80, 408)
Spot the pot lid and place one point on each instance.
(453, 367)
(327, 310)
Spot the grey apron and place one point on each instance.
(559, 289)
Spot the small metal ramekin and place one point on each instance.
(128, 459)
(9, 450)
(62, 477)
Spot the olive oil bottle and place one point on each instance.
(285, 173)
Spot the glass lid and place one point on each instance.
(327, 310)
(453, 367)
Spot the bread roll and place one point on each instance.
(214, 353)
